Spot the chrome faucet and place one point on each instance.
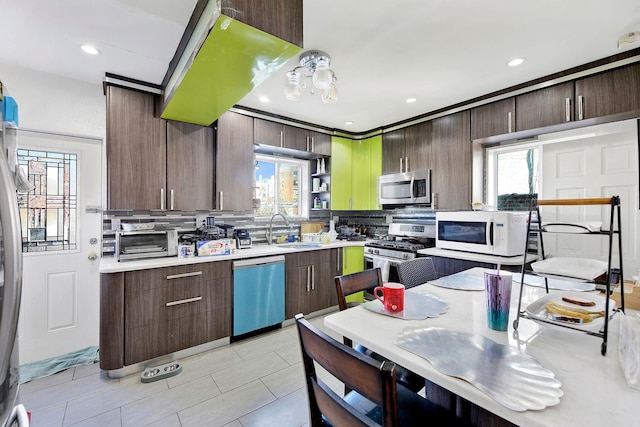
(270, 230)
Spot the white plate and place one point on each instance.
(581, 268)
(536, 310)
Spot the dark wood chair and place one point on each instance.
(376, 398)
(416, 271)
(350, 284)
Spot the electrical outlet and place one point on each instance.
(336, 219)
(389, 219)
(201, 221)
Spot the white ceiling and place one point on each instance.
(439, 51)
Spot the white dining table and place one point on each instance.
(595, 390)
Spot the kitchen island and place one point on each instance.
(594, 387)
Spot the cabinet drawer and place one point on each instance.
(176, 301)
(157, 278)
(307, 258)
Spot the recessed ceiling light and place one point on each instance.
(89, 49)
(263, 99)
(410, 100)
(348, 123)
(515, 62)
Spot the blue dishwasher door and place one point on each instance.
(258, 293)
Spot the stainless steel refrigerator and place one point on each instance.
(10, 291)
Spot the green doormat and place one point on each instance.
(53, 365)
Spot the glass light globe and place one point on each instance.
(323, 76)
(330, 95)
(292, 88)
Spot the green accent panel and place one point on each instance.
(375, 147)
(352, 259)
(340, 173)
(361, 167)
(233, 60)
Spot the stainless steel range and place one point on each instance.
(402, 243)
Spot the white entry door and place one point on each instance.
(602, 163)
(60, 298)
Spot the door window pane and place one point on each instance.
(48, 213)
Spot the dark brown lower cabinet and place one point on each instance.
(309, 284)
(164, 310)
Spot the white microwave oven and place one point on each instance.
(498, 233)
(408, 188)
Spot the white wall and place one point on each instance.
(51, 103)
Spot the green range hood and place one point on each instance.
(220, 68)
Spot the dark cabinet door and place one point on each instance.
(320, 143)
(611, 92)
(451, 174)
(234, 162)
(496, 118)
(296, 138)
(268, 133)
(418, 147)
(190, 167)
(545, 107)
(136, 151)
(393, 151)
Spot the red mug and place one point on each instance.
(392, 296)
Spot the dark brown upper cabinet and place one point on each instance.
(136, 151)
(545, 107)
(235, 173)
(190, 166)
(451, 173)
(407, 150)
(611, 92)
(495, 118)
(291, 137)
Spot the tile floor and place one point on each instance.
(254, 382)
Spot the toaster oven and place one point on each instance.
(131, 245)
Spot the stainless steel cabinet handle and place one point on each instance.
(313, 277)
(401, 165)
(307, 143)
(281, 139)
(308, 279)
(180, 276)
(567, 109)
(509, 121)
(171, 200)
(406, 164)
(580, 107)
(221, 204)
(183, 301)
(312, 141)
(162, 199)
(338, 262)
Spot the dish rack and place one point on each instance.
(536, 227)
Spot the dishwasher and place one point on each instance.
(258, 293)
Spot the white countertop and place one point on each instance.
(111, 265)
(471, 256)
(595, 390)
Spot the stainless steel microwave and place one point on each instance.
(409, 188)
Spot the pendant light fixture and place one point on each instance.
(314, 64)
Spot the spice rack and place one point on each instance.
(535, 226)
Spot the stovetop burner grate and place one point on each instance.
(404, 246)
